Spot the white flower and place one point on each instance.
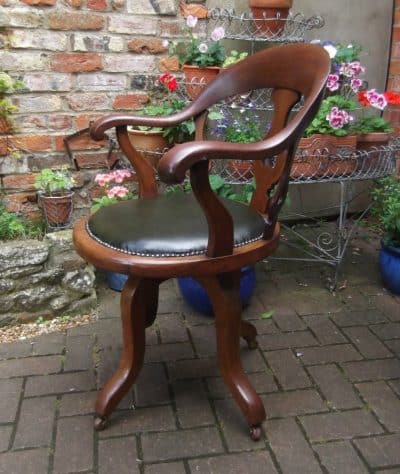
(331, 50)
(191, 21)
(218, 33)
(203, 48)
(165, 43)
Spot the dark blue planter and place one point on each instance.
(116, 281)
(195, 295)
(389, 264)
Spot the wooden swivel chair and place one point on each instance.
(158, 237)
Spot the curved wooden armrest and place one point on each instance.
(100, 126)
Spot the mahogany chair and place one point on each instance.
(159, 237)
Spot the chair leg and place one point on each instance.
(223, 291)
(249, 334)
(137, 309)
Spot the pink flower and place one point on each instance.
(376, 99)
(191, 21)
(118, 176)
(338, 118)
(356, 84)
(102, 179)
(218, 33)
(118, 192)
(203, 48)
(357, 68)
(333, 82)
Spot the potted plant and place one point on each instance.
(239, 126)
(199, 58)
(55, 195)
(270, 16)
(386, 200)
(152, 141)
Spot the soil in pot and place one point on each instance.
(197, 78)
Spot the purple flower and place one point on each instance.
(333, 82)
(218, 33)
(338, 118)
(376, 99)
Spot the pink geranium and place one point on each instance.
(333, 82)
(356, 84)
(338, 118)
(376, 99)
(117, 192)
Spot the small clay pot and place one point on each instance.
(197, 78)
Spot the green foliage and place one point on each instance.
(386, 200)
(320, 124)
(54, 182)
(13, 226)
(346, 54)
(189, 52)
(104, 201)
(372, 123)
(7, 86)
(234, 57)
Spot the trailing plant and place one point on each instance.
(386, 207)
(13, 226)
(241, 126)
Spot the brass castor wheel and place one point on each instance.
(255, 432)
(252, 344)
(100, 422)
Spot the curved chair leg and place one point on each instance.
(135, 313)
(249, 334)
(152, 302)
(223, 291)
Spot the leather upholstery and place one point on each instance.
(172, 225)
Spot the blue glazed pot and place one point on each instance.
(196, 297)
(389, 264)
(116, 281)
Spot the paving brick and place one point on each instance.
(169, 352)
(5, 435)
(172, 328)
(118, 455)
(10, 393)
(286, 340)
(15, 349)
(252, 360)
(387, 331)
(384, 403)
(299, 402)
(32, 461)
(288, 320)
(340, 457)
(257, 462)
(48, 344)
(340, 425)
(325, 331)
(389, 306)
(394, 346)
(181, 444)
(74, 444)
(291, 449)
(192, 405)
(234, 426)
(29, 366)
(262, 382)
(395, 384)
(193, 369)
(265, 326)
(204, 340)
(152, 386)
(367, 343)
(166, 468)
(338, 392)
(35, 423)
(329, 354)
(372, 369)
(77, 404)
(287, 369)
(78, 353)
(58, 383)
(358, 318)
(380, 451)
(140, 420)
(109, 304)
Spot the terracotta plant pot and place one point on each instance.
(323, 156)
(150, 143)
(240, 170)
(57, 209)
(270, 16)
(371, 142)
(197, 78)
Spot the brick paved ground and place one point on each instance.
(327, 367)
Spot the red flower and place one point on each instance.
(393, 98)
(363, 99)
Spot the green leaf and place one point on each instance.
(267, 315)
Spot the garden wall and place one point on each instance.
(43, 278)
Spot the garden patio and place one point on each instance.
(327, 368)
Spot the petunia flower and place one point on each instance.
(218, 33)
(191, 21)
(330, 48)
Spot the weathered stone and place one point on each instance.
(82, 304)
(59, 303)
(162, 7)
(6, 286)
(16, 273)
(60, 241)
(81, 281)
(23, 253)
(53, 276)
(34, 297)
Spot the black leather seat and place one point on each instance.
(167, 226)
